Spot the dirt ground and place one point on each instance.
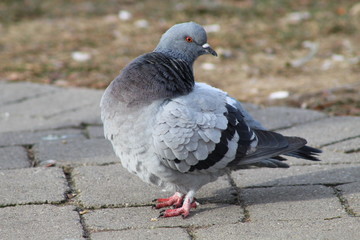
(303, 53)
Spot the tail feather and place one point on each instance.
(271, 146)
(306, 152)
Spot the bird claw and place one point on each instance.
(184, 210)
(174, 201)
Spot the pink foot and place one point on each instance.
(184, 211)
(175, 200)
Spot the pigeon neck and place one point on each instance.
(187, 57)
(153, 76)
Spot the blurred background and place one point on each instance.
(303, 53)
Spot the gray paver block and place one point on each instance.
(292, 203)
(342, 228)
(95, 131)
(83, 115)
(13, 157)
(348, 146)
(32, 185)
(140, 234)
(62, 108)
(326, 131)
(89, 151)
(351, 192)
(32, 137)
(298, 175)
(40, 222)
(219, 191)
(115, 186)
(11, 92)
(89, 115)
(61, 101)
(145, 217)
(112, 185)
(282, 117)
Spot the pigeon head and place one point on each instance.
(186, 41)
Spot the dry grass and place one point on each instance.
(257, 39)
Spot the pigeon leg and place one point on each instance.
(184, 210)
(175, 200)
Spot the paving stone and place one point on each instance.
(13, 157)
(32, 185)
(90, 151)
(298, 175)
(62, 108)
(15, 92)
(326, 131)
(40, 222)
(351, 192)
(88, 115)
(341, 228)
(283, 117)
(348, 146)
(95, 131)
(292, 203)
(145, 217)
(61, 101)
(219, 191)
(32, 137)
(148, 234)
(112, 186)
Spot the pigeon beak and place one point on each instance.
(208, 49)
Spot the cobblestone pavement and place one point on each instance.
(60, 179)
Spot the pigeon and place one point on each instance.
(179, 134)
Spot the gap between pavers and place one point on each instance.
(351, 194)
(347, 146)
(283, 117)
(41, 222)
(326, 131)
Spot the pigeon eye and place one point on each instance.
(189, 39)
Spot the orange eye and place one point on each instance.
(189, 39)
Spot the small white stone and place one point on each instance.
(142, 23)
(212, 28)
(81, 56)
(354, 60)
(326, 65)
(48, 163)
(279, 95)
(337, 58)
(296, 17)
(124, 15)
(226, 53)
(208, 66)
